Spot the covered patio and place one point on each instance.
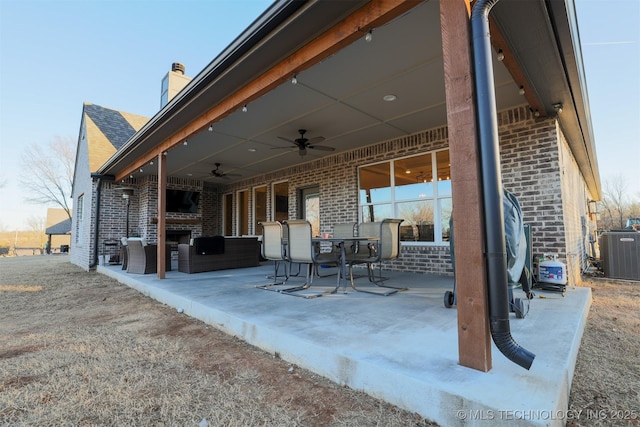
(402, 348)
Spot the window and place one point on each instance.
(416, 189)
(310, 208)
(280, 202)
(243, 213)
(79, 218)
(259, 208)
(228, 215)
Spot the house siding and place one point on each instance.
(82, 243)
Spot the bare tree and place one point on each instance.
(614, 203)
(37, 225)
(50, 173)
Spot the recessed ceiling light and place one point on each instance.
(253, 150)
(389, 98)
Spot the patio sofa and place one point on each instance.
(218, 253)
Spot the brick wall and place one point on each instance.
(82, 186)
(336, 177)
(145, 205)
(578, 225)
(537, 167)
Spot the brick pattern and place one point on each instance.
(537, 166)
(81, 243)
(577, 222)
(148, 207)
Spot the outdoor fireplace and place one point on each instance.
(175, 237)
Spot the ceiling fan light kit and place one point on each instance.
(303, 143)
(217, 173)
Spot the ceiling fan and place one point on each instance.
(217, 173)
(303, 143)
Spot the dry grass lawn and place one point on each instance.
(79, 348)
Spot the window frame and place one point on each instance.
(79, 218)
(257, 230)
(274, 204)
(227, 213)
(436, 199)
(243, 208)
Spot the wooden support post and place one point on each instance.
(162, 214)
(474, 335)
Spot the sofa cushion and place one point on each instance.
(209, 245)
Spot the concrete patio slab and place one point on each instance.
(401, 348)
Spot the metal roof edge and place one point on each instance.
(277, 13)
(571, 48)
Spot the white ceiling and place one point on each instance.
(340, 99)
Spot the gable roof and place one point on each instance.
(106, 131)
(60, 228)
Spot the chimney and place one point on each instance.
(177, 67)
(172, 83)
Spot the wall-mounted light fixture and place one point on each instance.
(126, 195)
(244, 108)
(369, 36)
(185, 142)
(521, 90)
(557, 107)
(211, 127)
(294, 80)
(592, 205)
(500, 55)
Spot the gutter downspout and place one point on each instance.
(492, 188)
(96, 233)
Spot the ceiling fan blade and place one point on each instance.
(315, 140)
(286, 139)
(321, 147)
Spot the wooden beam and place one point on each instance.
(154, 220)
(162, 214)
(474, 336)
(355, 26)
(499, 43)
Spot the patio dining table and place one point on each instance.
(341, 243)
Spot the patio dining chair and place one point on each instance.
(386, 248)
(273, 249)
(347, 229)
(124, 252)
(142, 257)
(301, 250)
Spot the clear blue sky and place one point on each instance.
(55, 55)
